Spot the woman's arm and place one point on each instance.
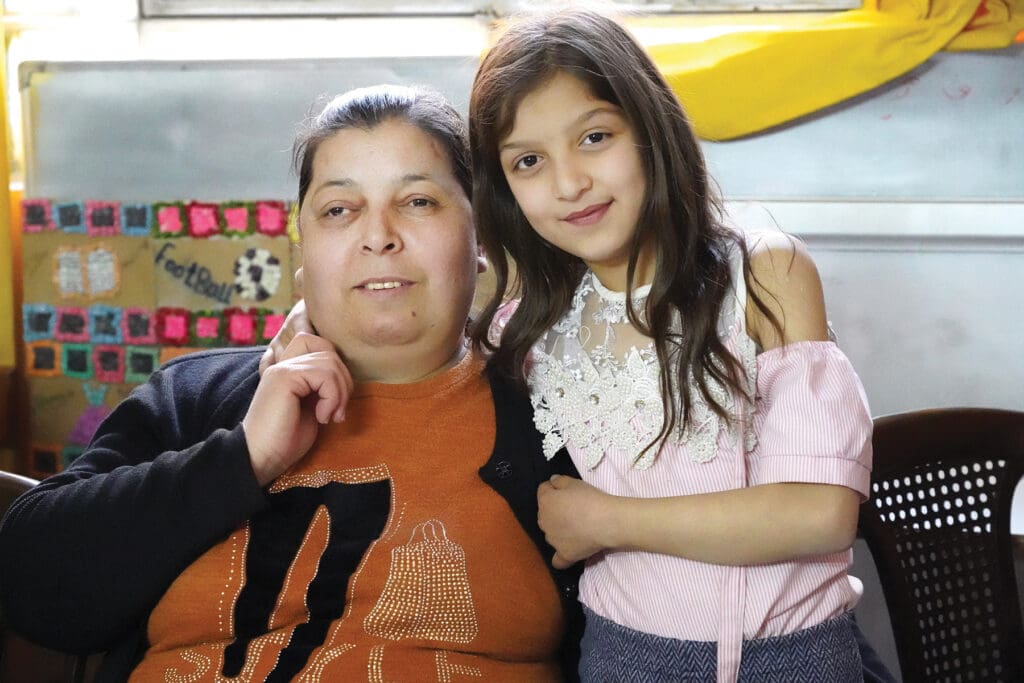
(759, 524)
(86, 554)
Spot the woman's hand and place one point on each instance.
(308, 386)
(297, 322)
(572, 515)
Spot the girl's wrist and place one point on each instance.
(615, 524)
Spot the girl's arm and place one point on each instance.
(759, 524)
(755, 525)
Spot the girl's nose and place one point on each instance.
(571, 181)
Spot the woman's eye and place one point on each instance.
(594, 138)
(528, 161)
(336, 211)
(421, 202)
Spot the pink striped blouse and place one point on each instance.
(812, 425)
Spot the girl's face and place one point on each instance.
(573, 164)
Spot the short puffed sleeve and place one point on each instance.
(811, 419)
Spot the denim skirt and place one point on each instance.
(824, 653)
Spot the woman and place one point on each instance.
(373, 517)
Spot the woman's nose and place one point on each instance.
(381, 234)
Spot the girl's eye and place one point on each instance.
(594, 138)
(528, 161)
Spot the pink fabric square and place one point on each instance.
(112, 211)
(242, 329)
(236, 218)
(37, 206)
(207, 327)
(272, 323)
(271, 218)
(168, 219)
(202, 220)
(175, 327)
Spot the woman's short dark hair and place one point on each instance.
(366, 108)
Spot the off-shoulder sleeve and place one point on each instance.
(501, 318)
(811, 419)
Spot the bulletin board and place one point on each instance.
(155, 220)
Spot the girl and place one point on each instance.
(724, 442)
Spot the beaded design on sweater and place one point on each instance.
(594, 382)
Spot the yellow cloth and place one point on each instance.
(758, 72)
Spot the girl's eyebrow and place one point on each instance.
(581, 119)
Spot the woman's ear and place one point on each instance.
(481, 260)
(298, 280)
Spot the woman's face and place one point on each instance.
(388, 248)
(572, 163)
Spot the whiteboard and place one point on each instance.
(951, 130)
(159, 131)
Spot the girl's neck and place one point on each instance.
(613, 276)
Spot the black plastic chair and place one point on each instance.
(938, 527)
(22, 661)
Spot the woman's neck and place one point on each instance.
(402, 365)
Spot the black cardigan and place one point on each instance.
(86, 555)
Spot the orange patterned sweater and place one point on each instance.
(382, 557)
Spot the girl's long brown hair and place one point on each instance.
(680, 214)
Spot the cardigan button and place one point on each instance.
(504, 469)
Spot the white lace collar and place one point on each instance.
(599, 394)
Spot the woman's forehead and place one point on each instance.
(395, 149)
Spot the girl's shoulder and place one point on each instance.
(782, 276)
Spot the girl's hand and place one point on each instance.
(307, 387)
(572, 515)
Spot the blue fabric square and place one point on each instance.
(38, 321)
(136, 219)
(105, 324)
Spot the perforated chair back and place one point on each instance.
(938, 527)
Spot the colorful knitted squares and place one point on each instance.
(108, 362)
(36, 215)
(270, 324)
(38, 321)
(202, 219)
(102, 218)
(207, 328)
(42, 359)
(271, 218)
(238, 219)
(140, 363)
(72, 324)
(70, 217)
(136, 219)
(76, 360)
(105, 324)
(172, 326)
(241, 326)
(137, 326)
(170, 220)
